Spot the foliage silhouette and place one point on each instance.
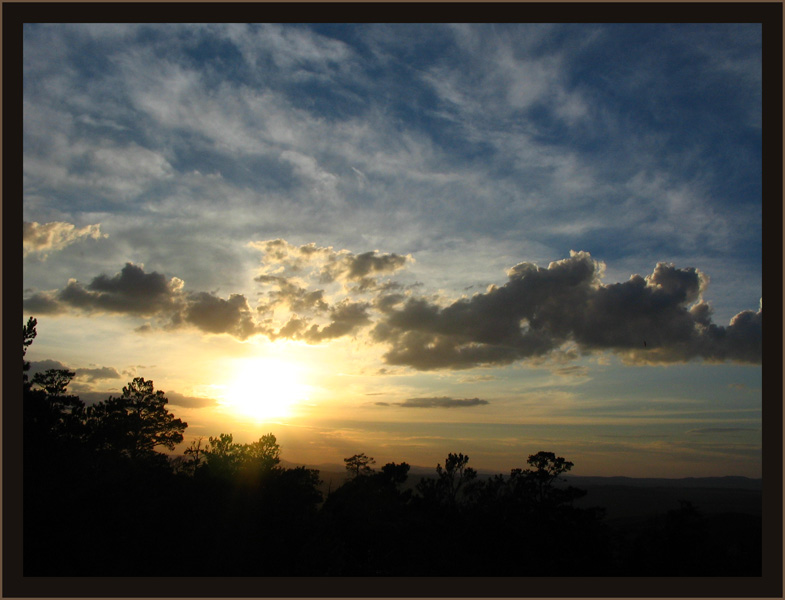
(359, 465)
(100, 499)
(135, 423)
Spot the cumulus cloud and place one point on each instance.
(132, 291)
(212, 314)
(96, 373)
(659, 318)
(43, 238)
(87, 374)
(39, 366)
(556, 313)
(345, 318)
(327, 264)
(288, 292)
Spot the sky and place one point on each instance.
(408, 240)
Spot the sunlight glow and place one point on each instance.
(265, 388)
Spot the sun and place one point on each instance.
(265, 388)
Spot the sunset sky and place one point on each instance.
(408, 240)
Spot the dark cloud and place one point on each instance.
(179, 399)
(559, 312)
(43, 303)
(346, 318)
(94, 374)
(212, 314)
(539, 309)
(86, 374)
(361, 269)
(367, 263)
(442, 402)
(710, 430)
(132, 291)
(39, 366)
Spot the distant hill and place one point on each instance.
(729, 482)
(624, 498)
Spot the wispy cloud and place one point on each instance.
(439, 402)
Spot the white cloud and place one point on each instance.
(43, 238)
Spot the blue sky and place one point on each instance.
(490, 217)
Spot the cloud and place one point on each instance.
(212, 314)
(710, 430)
(442, 402)
(132, 291)
(179, 399)
(289, 293)
(572, 371)
(87, 374)
(326, 264)
(39, 366)
(43, 238)
(556, 313)
(540, 309)
(94, 374)
(346, 318)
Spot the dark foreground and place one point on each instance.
(101, 500)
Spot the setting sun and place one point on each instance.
(265, 388)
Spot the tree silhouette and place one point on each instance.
(546, 469)
(359, 465)
(135, 423)
(28, 335)
(265, 453)
(225, 458)
(450, 480)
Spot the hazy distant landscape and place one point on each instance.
(622, 497)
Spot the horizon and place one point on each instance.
(408, 240)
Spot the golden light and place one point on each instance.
(265, 388)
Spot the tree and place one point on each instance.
(193, 455)
(395, 474)
(226, 458)
(28, 335)
(135, 423)
(53, 381)
(264, 453)
(547, 468)
(51, 415)
(449, 481)
(359, 465)
(51, 407)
